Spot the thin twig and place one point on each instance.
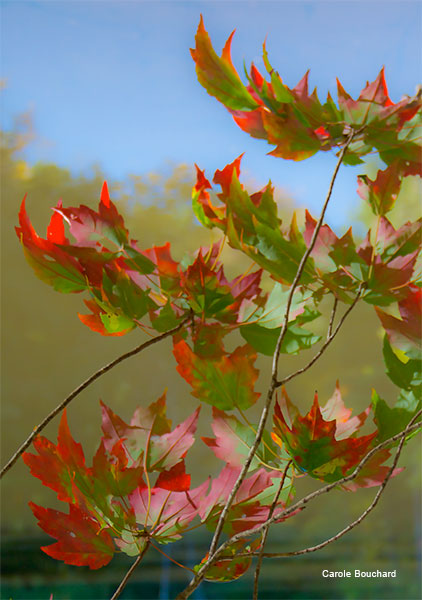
(332, 317)
(82, 387)
(265, 532)
(326, 343)
(129, 573)
(193, 584)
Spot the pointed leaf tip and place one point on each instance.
(105, 198)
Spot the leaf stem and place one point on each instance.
(38, 428)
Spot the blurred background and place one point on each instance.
(107, 90)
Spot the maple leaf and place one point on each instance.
(102, 260)
(111, 474)
(230, 567)
(372, 473)
(166, 513)
(252, 502)
(233, 440)
(325, 449)
(46, 256)
(261, 325)
(403, 371)
(150, 432)
(105, 321)
(59, 466)
(251, 224)
(404, 333)
(381, 193)
(218, 75)
(389, 420)
(226, 381)
(82, 540)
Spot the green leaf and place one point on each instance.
(264, 340)
(406, 373)
(393, 420)
(217, 75)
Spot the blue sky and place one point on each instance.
(113, 82)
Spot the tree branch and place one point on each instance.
(82, 387)
(129, 573)
(266, 530)
(273, 384)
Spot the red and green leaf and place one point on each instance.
(325, 449)
(81, 539)
(226, 381)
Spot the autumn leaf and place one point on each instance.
(150, 431)
(82, 541)
(233, 441)
(323, 445)
(252, 502)
(404, 333)
(166, 513)
(48, 260)
(299, 125)
(60, 466)
(251, 224)
(372, 473)
(226, 381)
(218, 75)
(389, 420)
(230, 567)
(381, 193)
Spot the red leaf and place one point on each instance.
(404, 333)
(59, 467)
(81, 539)
(175, 479)
(150, 430)
(372, 473)
(382, 192)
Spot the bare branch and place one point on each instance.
(82, 387)
(273, 384)
(129, 573)
(332, 317)
(327, 342)
(266, 530)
